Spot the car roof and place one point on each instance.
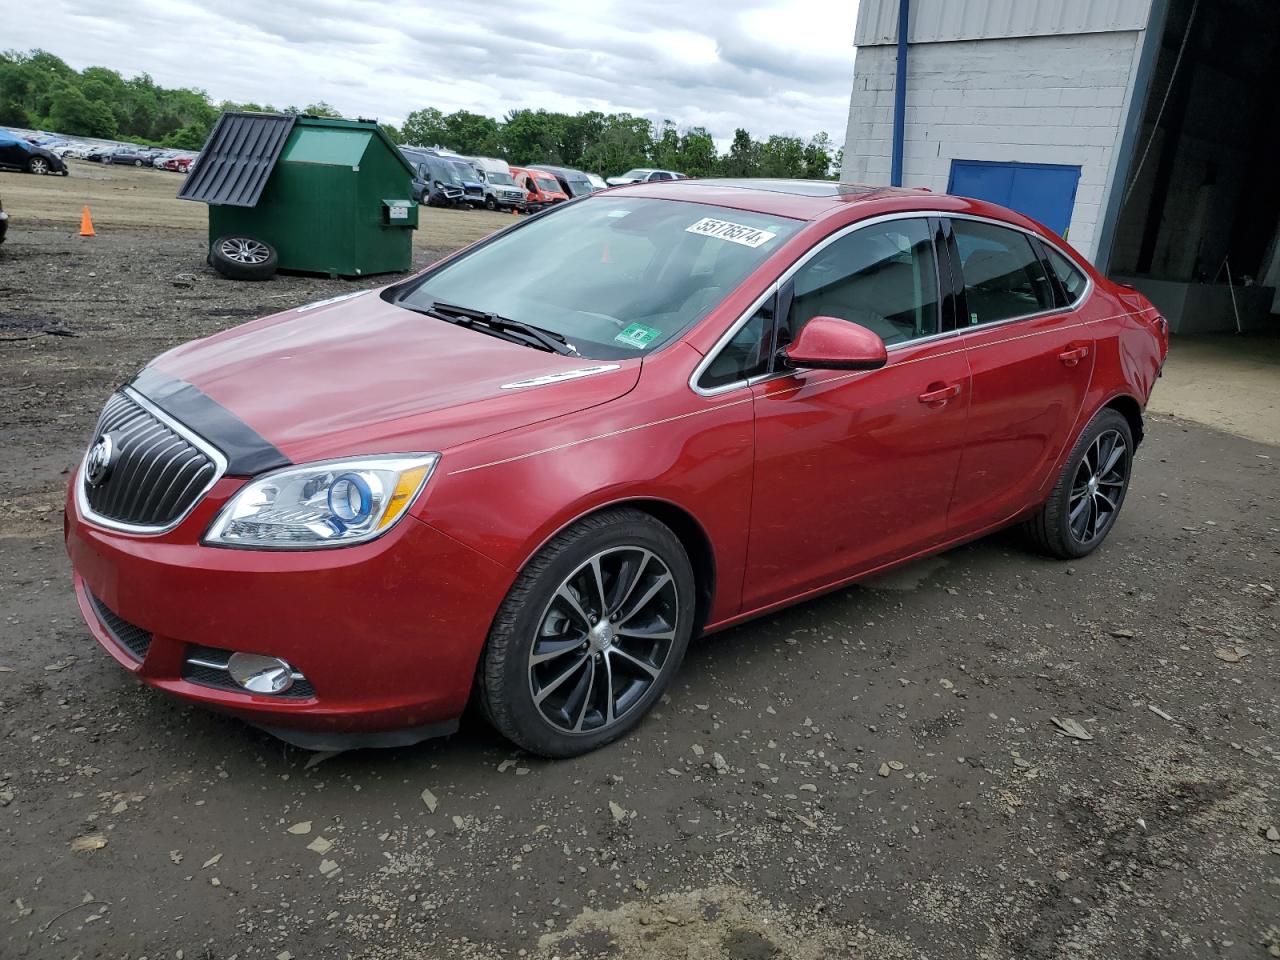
(816, 199)
(564, 170)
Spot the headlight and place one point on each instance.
(331, 504)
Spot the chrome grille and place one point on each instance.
(158, 469)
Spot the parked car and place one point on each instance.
(94, 154)
(435, 182)
(644, 175)
(158, 158)
(597, 182)
(574, 183)
(4, 222)
(739, 397)
(541, 189)
(131, 156)
(19, 154)
(179, 164)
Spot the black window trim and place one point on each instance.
(956, 277)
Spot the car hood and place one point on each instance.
(358, 375)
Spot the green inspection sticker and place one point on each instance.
(638, 335)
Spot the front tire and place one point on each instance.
(1090, 491)
(589, 636)
(38, 165)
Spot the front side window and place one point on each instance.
(1069, 275)
(615, 276)
(746, 354)
(882, 277)
(1003, 277)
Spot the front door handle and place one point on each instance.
(1074, 354)
(938, 394)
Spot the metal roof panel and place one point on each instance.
(237, 159)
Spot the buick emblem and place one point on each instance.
(98, 464)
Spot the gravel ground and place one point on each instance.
(873, 774)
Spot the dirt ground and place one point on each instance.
(1230, 381)
(874, 774)
(119, 196)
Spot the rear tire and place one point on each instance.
(1088, 495)
(243, 258)
(589, 635)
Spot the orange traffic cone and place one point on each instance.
(86, 223)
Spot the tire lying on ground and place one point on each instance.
(243, 258)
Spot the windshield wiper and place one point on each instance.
(515, 330)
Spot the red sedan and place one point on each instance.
(530, 473)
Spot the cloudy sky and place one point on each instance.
(771, 66)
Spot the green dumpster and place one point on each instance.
(304, 193)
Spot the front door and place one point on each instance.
(12, 153)
(1031, 357)
(856, 468)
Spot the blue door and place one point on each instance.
(1043, 191)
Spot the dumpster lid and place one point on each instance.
(237, 159)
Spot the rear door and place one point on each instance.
(1031, 358)
(856, 468)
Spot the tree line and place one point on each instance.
(38, 90)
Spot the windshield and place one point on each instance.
(615, 276)
(580, 188)
(636, 174)
(503, 179)
(462, 171)
(545, 183)
(445, 173)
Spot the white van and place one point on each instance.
(501, 192)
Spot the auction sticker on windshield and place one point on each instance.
(638, 335)
(733, 232)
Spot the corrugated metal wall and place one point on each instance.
(933, 21)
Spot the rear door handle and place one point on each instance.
(937, 394)
(1073, 355)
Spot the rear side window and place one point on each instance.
(882, 277)
(1003, 277)
(1069, 275)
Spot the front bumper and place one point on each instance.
(387, 633)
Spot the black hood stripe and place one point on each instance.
(248, 452)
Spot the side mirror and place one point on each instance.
(829, 343)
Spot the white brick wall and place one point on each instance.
(1052, 99)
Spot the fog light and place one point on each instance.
(260, 674)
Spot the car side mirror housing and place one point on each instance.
(829, 343)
